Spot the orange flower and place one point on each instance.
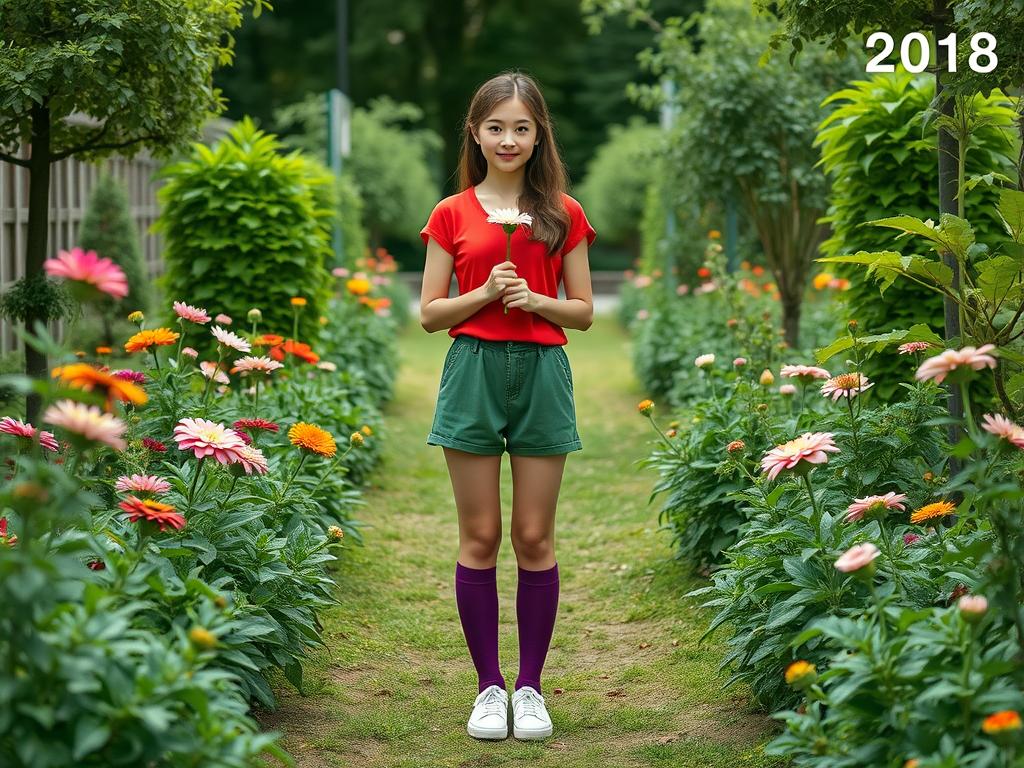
(298, 301)
(758, 270)
(268, 340)
(312, 438)
(645, 406)
(703, 272)
(358, 286)
(85, 377)
(143, 340)
(300, 349)
(929, 511)
(714, 234)
(1001, 722)
(103, 350)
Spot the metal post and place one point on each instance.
(668, 111)
(338, 117)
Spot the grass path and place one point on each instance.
(626, 683)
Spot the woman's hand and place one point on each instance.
(501, 276)
(518, 294)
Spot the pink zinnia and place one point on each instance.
(211, 371)
(913, 346)
(787, 389)
(944, 363)
(189, 352)
(739, 362)
(12, 426)
(857, 557)
(846, 385)
(259, 364)
(244, 436)
(190, 313)
(859, 507)
(229, 339)
(252, 460)
(340, 272)
(208, 438)
(682, 289)
(1000, 426)
(223, 319)
(135, 377)
(806, 373)
(87, 267)
(142, 484)
(910, 538)
(269, 426)
(810, 447)
(88, 421)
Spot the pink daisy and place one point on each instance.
(943, 364)
(860, 507)
(857, 557)
(211, 371)
(806, 373)
(12, 426)
(135, 377)
(229, 339)
(208, 438)
(846, 385)
(189, 352)
(340, 272)
(88, 421)
(913, 346)
(142, 484)
(88, 267)
(252, 460)
(787, 389)
(1000, 426)
(223, 319)
(190, 313)
(810, 447)
(257, 364)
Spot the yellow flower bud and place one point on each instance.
(202, 638)
(357, 438)
(767, 378)
(335, 533)
(645, 407)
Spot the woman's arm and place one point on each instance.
(577, 309)
(437, 311)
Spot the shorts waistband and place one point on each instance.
(510, 346)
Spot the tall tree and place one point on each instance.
(140, 71)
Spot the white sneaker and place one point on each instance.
(529, 716)
(490, 714)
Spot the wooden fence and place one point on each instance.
(71, 182)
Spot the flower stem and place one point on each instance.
(814, 504)
(664, 439)
(972, 428)
(296, 472)
(195, 481)
(156, 359)
(231, 489)
(508, 254)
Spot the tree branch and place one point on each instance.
(89, 147)
(14, 160)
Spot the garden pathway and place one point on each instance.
(626, 683)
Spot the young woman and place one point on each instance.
(506, 383)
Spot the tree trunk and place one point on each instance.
(948, 155)
(36, 245)
(791, 319)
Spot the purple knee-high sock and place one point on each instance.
(536, 608)
(476, 594)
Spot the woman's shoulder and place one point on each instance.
(571, 203)
(452, 201)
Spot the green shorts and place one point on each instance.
(505, 395)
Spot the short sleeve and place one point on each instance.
(439, 227)
(579, 226)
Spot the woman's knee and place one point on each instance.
(532, 543)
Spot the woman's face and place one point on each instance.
(507, 136)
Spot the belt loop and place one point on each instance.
(476, 345)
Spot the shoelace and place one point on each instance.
(492, 703)
(531, 703)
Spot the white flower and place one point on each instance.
(510, 217)
(229, 339)
(326, 365)
(704, 361)
(211, 371)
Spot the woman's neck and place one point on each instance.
(503, 186)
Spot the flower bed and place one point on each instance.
(165, 534)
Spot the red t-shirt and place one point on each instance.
(459, 225)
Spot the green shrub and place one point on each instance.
(881, 166)
(109, 230)
(248, 227)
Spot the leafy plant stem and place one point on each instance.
(814, 504)
(195, 481)
(296, 472)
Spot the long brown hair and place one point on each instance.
(545, 176)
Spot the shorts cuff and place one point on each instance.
(550, 450)
(453, 442)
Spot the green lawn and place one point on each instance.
(625, 681)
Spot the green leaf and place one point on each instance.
(997, 276)
(841, 344)
(1011, 211)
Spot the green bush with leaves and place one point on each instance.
(614, 191)
(247, 226)
(881, 165)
